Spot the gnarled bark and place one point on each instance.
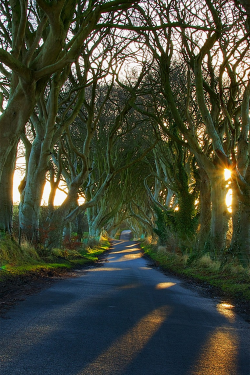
(6, 191)
(204, 210)
(219, 215)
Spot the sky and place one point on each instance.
(59, 198)
(60, 195)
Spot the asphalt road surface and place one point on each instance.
(126, 318)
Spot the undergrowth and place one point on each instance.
(17, 259)
(231, 279)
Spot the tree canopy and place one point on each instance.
(139, 107)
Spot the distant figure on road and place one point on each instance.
(126, 235)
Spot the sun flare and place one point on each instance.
(227, 174)
(229, 200)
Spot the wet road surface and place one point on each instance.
(123, 318)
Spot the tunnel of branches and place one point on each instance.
(138, 111)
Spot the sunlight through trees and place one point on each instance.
(140, 108)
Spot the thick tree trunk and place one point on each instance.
(205, 211)
(185, 222)
(6, 189)
(13, 120)
(93, 221)
(80, 225)
(57, 219)
(55, 232)
(169, 198)
(94, 232)
(52, 195)
(67, 231)
(240, 243)
(29, 208)
(219, 215)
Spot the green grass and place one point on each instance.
(43, 268)
(16, 261)
(12, 254)
(231, 279)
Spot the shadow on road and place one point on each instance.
(122, 318)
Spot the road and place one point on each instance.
(124, 318)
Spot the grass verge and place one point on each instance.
(21, 261)
(230, 280)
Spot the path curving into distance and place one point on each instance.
(124, 318)
(126, 235)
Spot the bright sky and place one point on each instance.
(60, 195)
(59, 198)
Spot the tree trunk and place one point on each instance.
(57, 219)
(67, 232)
(94, 232)
(52, 194)
(93, 221)
(55, 232)
(219, 215)
(205, 211)
(169, 198)
(6, 189)
(13, 120)
(240, 243)
(80, 225)
(185, 223)
(29, 209)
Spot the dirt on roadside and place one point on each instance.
(15, 289)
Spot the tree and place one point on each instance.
(44, 39)
(55, 114)
(205, 119)
(82, 168)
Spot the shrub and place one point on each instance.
(29, 251)
(161, 250)
(72, 243)
(206, 262)
(66, 253)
